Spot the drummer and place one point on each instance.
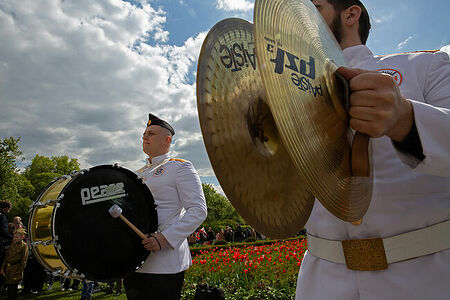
(181, 207)
(408, 118)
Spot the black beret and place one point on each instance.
(154, 120)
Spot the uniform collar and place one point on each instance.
(355, 55)
(157, 160)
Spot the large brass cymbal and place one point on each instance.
(243, 144)
(298, 57)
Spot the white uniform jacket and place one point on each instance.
(181, 208)
(407, 195)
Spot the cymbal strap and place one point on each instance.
(360, 146)
(345, 89)
(360, 155)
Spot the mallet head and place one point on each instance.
(115, 211)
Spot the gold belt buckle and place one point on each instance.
(365, 255)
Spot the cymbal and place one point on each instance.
(298, 56)
(240, 135)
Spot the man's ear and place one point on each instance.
(168, 140)
(351, 15)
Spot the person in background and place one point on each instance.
(192, 239)
(229, 235)
(211, 235)
(117, 284)
(87, 289)
(221, 235)
(238, 234)
(17, 221)
(6, 236)
(14, 263)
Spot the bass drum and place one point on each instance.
(72, 233)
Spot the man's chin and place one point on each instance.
(146, 152)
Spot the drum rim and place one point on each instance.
(31, 218)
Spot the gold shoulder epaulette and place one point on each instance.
(427, 51)
(177, 159)
(141, 169)
(419, 51)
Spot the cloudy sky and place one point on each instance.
(78, 77)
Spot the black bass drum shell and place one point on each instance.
(89, 240)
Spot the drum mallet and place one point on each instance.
(115, 211)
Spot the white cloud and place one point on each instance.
(401, 45)
(235, 5)
(446, 49)
(78, 79)
(385, 18)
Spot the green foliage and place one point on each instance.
(22, 189)
(195, 249)
(43, 170)
(41, 180)
(219, 210)
(54, 164)
(9, 151)
(250, 239)
(14, 187)
(220, 243)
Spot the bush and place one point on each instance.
(250, 239)
(220, 242)
(201, 248)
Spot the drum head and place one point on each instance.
(89, 240)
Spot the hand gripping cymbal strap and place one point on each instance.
(360, 162)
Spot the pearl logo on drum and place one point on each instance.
(101, 193)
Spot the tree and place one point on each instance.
(43, 170)
(219, 208)
(14, 187)
(9, 151)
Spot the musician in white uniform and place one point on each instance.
(407, 114)
(181, 207)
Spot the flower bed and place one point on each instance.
(251, 272)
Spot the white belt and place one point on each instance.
(367, 254)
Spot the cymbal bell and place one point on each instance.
(298, 58)
(241, 137)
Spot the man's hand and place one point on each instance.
(377, 107)
(155, 242)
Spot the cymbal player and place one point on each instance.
(402, 102)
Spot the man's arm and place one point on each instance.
(419, 131)
(191, 195)
(432, 119)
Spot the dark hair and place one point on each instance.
(5, 204)
(364, 19)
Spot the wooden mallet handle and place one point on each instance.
(115, 211)
(135, 229)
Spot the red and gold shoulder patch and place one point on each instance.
(177, 159)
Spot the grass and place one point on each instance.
(56, 293)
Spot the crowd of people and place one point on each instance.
(239, 234)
